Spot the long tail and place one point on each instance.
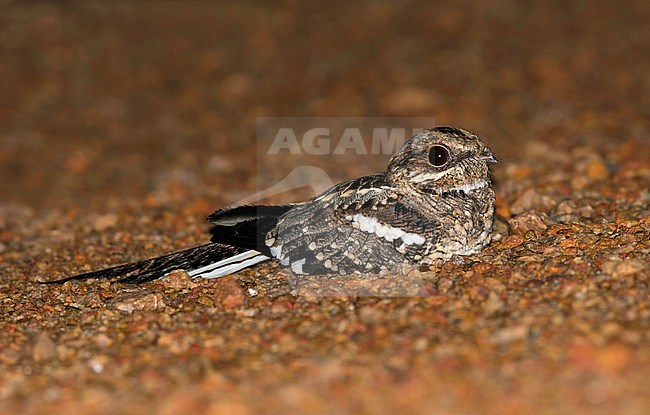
(208, 261)
(237, 243)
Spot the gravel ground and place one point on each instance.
(122, 126)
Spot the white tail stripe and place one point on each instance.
(234, 258)
(232, 268)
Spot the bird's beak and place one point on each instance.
(488, 156)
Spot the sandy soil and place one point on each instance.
(123, 126)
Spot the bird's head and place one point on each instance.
(442, 160)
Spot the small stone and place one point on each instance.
(579, 182)
(569, 211)
(590, 166)
(569, 243)
(215, 341)
(513, 241)
(205, 301)
(530, 221)
(509, 335)
(44, 348)
(421, 344)
(140, 301)
(499, 229)
(531, 199)
(105, 222)
(98, 363)
(229, 294)
(566, 207)
(518, 172)
(247, 312)
(175, 342)
(179, 280)
(597, 170)
(102, 340)
(493, 304)
(236, 86)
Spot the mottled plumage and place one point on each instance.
(414, 213)
(433, 201)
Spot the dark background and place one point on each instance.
(107, 99)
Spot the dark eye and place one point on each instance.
(438, 156)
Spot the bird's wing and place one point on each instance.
(361, 224)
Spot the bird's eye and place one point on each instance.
(438, 156)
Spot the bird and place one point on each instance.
(434, 202)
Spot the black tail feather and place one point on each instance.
(246, 226)
(234, 215)
(154, 268)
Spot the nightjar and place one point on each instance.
(434, 201)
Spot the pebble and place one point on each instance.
(44, 348)
(597, 170)
(103, 340)
(530, 200)
(179, 280)
(98, 363)
(229, 294)
(509, 335)
(513, 241)
(138, 301)
(494, 304)
(531, 220)
(105, 222)
(569, 211)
